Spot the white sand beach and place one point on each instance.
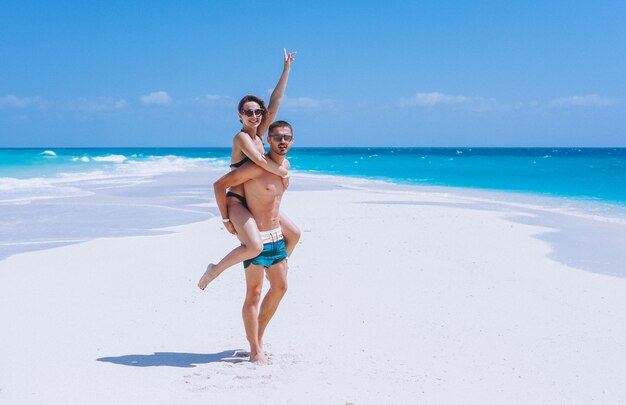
(397, 295)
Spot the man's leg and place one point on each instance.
(291, 232)
(250, 312)
(277, 275)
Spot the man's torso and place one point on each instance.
(263, 195)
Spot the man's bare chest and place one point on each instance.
(266, 187)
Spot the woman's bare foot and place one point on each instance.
(208, 276)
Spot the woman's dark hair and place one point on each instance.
(250, 97)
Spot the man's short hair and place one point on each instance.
(279, 124)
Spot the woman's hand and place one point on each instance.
(230, 228)
(288, 58)
(277, 95)
(286, 182)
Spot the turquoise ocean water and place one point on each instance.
(589, 173)
(51, 197)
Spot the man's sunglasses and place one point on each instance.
(258, 112)
(279, 138)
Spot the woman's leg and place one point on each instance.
(248, 234)
(291, 232)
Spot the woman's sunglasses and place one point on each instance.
(248, 113)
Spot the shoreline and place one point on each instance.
(618, 209)
(591, 219)
(586, 235)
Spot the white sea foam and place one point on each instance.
(82, 159)
(122, 173)
(48, 153)
(111, 158)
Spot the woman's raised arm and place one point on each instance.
(277, 94)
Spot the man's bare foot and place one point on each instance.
(208, 276)
(259, 358)
(267, 354)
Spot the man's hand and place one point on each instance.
(230, 228)
(286, 182)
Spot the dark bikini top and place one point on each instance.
(245, 159)
(241, 162)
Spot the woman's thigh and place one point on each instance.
(244, 223)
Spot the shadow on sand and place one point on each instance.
(170, 359)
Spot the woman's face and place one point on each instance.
(251, 114)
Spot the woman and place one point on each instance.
(248, 146)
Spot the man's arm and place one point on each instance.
(234, 178)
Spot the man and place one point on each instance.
(263, 191)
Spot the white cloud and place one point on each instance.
(158, 97)
(217, 100)
(217, 97)
(589, 100)
(303, 102)
(102, 104)
(13, 101)
(436, 98)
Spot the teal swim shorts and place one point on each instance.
(273, 252)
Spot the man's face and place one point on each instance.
(280, 140)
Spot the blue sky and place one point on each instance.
(437, 73)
